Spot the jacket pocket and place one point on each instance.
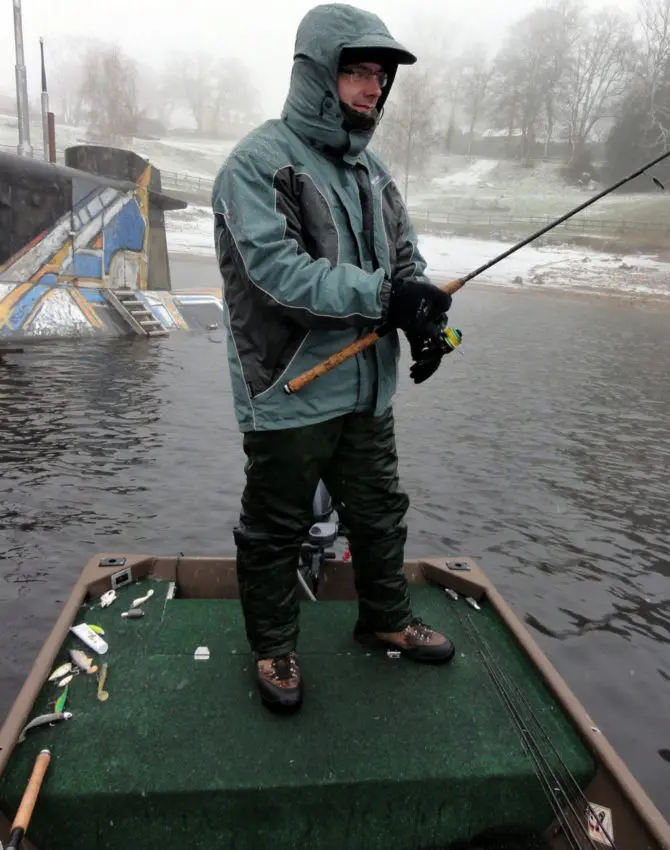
(280, 346)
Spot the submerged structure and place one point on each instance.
(83, 249)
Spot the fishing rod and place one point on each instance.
(450, 338)
(25, 811)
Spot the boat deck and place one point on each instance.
(384, 755)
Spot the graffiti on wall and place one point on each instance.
(57, 280)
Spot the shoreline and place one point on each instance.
(639, 300)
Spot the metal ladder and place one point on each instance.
(135, 312)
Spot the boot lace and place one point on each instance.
(285, 667)
(418, 630)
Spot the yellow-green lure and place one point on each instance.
(60, 702)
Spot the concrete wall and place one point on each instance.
(68, 232)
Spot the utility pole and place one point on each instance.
(24, 146)
(47, 117)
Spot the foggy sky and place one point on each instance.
(260, 32)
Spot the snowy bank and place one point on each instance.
(191, 231)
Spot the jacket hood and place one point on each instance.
(312, 108)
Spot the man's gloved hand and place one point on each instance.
(427, 352)
(412, 305)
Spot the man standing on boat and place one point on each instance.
(315, 249)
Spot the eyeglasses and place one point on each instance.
(362, 74)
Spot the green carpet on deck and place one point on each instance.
(385, 754)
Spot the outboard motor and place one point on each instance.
(323, 533)
(322, 504)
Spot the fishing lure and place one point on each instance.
(61, 671)
(42, 720)
(107, 598)
(133, 613)
(102, 677)
(82, 661)
(141, 599)
(60, 702)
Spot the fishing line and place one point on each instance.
(550, 782)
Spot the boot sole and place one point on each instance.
(281, 707)
(280, 703)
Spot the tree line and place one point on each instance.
(564, 76)
(99, 86)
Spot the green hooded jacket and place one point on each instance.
(309, 231)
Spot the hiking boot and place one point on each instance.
(279, 682)
(417, 641)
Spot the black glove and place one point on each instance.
(421, 370)
(427, 352)
(412, 305)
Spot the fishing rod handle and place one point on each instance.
(301, 381)
(25, 811)
(331, 362)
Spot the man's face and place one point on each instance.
(360, 85)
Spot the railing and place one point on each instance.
(37, 151)
(506, 221)
(186, 182)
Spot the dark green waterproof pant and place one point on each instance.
(355, 456)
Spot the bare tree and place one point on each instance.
(451, 81)
(191, 78)
(406, 134)
(652, 66)
(156, 94)
(528, 71)
(597, 75)
(477, 71)
(436, 41)
(65, 76)
(109, 93)
(562, 21)
(235, 99)
(219, 93)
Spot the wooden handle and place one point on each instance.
(29, 798)
(352, 350)
(331, 362)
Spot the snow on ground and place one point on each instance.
(191, 231)
(472, 175)
(507, 188)
(556, 266)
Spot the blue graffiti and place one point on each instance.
(26, 304)
(87, 265)
(93, 296)
(124, 232)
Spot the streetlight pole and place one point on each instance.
(24, 147)
(45, 106)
